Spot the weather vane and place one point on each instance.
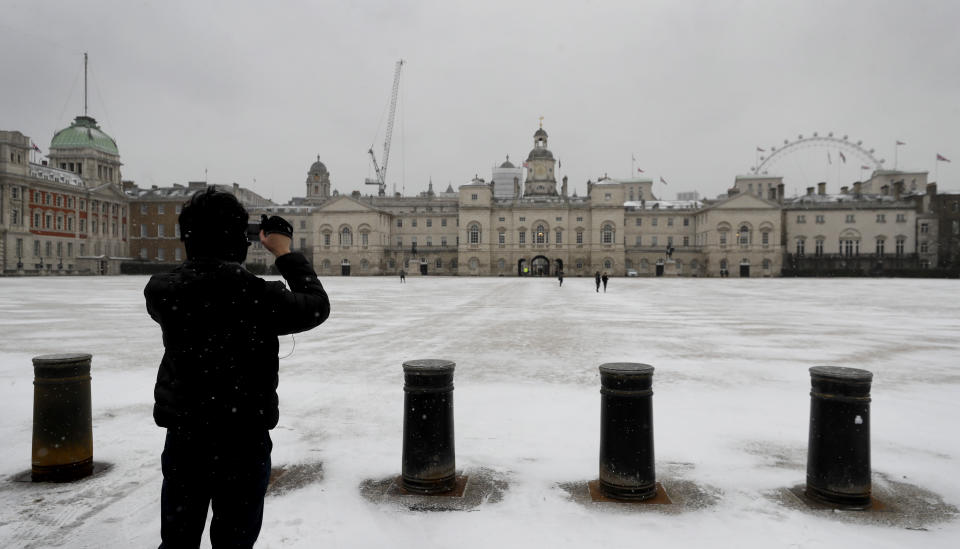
(541, 122)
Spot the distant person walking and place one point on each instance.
(596, 278)
(560, 277)
(403, 275)
(605, 278)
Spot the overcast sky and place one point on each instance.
(252, 92)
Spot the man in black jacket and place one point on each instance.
(216, 387)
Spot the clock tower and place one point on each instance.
(541, 180)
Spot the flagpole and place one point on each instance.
(896, 149)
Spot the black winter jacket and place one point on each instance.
(220, 326)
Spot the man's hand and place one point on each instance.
(276, 243)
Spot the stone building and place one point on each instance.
(65, 215)
(852, 231)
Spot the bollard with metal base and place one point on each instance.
(62, 424)
(429, 463)
(838, 454)
(626, 431)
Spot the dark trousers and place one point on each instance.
(229, 471)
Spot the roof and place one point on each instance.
(507, 164)
(84, 133)
(664, 204)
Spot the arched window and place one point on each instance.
(743, 236)
(607, 264)
(629, 264)
(439, 263)
(453, 263)
(606, 233)
(766, 264)
(473, 234)
(346, 237)
(540, 235)
(325, 265)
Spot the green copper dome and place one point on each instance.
(84, 132)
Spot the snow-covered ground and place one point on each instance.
(731, 400)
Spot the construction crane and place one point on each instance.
(381, 171)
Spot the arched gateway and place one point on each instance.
(538, 266)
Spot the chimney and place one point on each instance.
(897, 189)
(809, 191)
(856, 188)
(822, 188)
(844, 189)
(885, 190)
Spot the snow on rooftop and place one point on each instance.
(731, 406)
(664, 204)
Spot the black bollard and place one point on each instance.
(62, 424)
(626, 431)
(429, 462)
(838, 453)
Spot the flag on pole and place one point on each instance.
(941, 158)
(864, 167)
(901, 143)
(662, 180)
(526, 164)
(844, 158)
(760, 150)
(36, 148)
(640, 170)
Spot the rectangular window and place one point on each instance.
(801, 243)
(639, 222)
(179, 208)
(160, 254)
(924, 248)
(326, 239)
(178, 254)
(19, 248)
(669, 241)
(501, 238)
(901, 218)
(559, 219)
(900, 246)
(473, 196)
(881, 218)
(686, 221)
(818, 250)
(413, 241)
(443, 241)
(523, 238)
(429, 241)
(83, 247)
(143, 231)
(303, 243)
(400, 241)
(820, 219)
(654, 221)
(160, 209)
(723, 238)
(176, 231)
(399, 223)
(606, 196)
(653, 241)
(83, 225)
(303, 224)
(364, 239)
(522, 219)
(765, 238)
(443, 222)
(69, 249)
(579, 237)
(669, 222)
(801, 219)
(59, 249)
(880, 244)
(639, 241)
(160, 230)
(36, 248)
(850, 218)
(48, 248)
(686, 241)
(559, 237)
(502, 219)
(429, 222)
(579, 219)
(413, 223)
(924, 228)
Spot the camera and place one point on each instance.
(274, 224)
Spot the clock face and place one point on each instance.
(539, 171)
